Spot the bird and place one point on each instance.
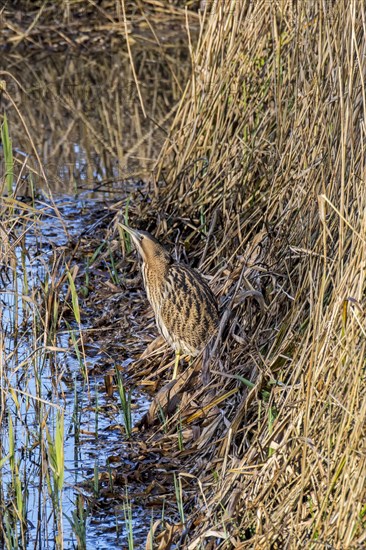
(186, 310)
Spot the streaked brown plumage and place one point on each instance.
(185, 308)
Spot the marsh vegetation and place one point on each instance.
(235, 132)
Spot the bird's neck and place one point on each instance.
(154, 277)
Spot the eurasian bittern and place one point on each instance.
(185, 308)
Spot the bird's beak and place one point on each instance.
(134, 234)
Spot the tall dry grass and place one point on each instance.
(266, 156)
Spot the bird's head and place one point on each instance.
(147, 246)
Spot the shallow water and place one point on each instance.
(92, 420)
(85, 125)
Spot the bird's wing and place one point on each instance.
(188, 309)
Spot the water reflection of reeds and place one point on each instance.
(98, 111)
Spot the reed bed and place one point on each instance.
(261, 184)
(263, 178)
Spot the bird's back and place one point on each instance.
(185, 309)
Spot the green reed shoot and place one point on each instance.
(16, 302)
(78, 522)
(245, 381)
(96, 416)
(89, 262)
(127, 510)
(4, 460)
(77, 351)
(163, 513)
(125, 398)
(77, 315)
(124, 236)
(203, 225)
(96, 254)
(126, 212)
(74, 298)
(9, 533)
(14, 467)
(76, 414)
(180, 434)
(96, 479)
(75, 345)
(113, 270)
(163, 418)
(126, 239)
(57, 465)
(272, 414)
(264, 393)
(25, 275)
(56, 472)
(179, 497)
(362, 516)
(19, 507)
(8, 155)
(56, 456)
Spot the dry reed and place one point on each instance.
(264, 170)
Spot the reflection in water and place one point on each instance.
(84, 112)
